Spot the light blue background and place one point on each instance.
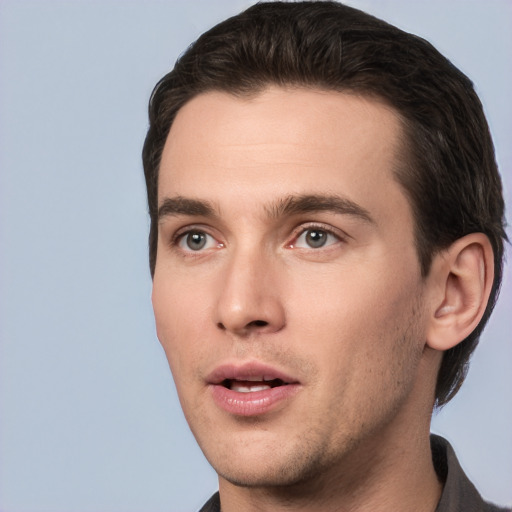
(89, 419)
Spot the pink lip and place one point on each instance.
(252, 403)
(246, 371)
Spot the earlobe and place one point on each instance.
(463, 277)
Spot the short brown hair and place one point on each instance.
(451, 176)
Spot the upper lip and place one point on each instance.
(253, 370)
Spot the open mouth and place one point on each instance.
(251, 388)
(251, 385)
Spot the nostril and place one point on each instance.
(254, 325)
(258, 323)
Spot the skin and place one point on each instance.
(349, 320)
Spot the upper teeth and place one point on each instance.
(248, 389)
(258, 379)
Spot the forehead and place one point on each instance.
(282, 141)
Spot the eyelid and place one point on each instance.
(182, 232)
(209, 242)
(306, 226)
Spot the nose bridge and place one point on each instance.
(249, 298)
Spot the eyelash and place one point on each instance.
(181, 235)
(304, 228)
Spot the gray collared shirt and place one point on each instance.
(459, 494)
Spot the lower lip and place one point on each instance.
(252, 403)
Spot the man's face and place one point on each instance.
(287, 292)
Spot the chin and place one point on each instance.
(265, 477)
(270, 468)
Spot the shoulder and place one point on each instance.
(459, 493)
(212, 505)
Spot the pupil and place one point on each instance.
(196, 241)
(316, 238)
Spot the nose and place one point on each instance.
(249, 300)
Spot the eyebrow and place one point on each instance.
(287, 206)
(172, 206)
(310, 203)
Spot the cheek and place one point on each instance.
(177, 323)
(360, 323)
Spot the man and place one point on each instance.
(326, 247)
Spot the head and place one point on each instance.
(447, 167)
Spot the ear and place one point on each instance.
(461, 279)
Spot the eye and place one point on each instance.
(315, 238)
(197, 241)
